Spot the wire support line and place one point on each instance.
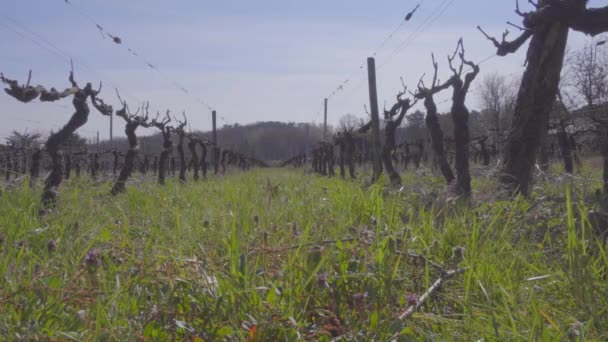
(118, 40)
(425, 25)
(39, 40)
(400, 26)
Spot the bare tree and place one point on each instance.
(494, 92)
(547, 26)
(349, 122)
(24, 140)
(588, 73)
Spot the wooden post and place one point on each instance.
(111, 130)
(98, 141)
(306, 148)
(214, 134)
(325, 120)
(373, 104)
(214, 120)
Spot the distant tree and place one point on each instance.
(416, 119)
(75, 142)
(493, 99)
(24, 140)
(588, 73)
(349, 122)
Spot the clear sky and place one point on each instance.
(251, 60)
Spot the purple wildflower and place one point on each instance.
(359, 299)
(322, 278)
(92, 258)
(51, 245)
(412, 299)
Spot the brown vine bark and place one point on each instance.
(180, 148)
(216, 159)
(485, 154)
(35, 167)
(223, 161)
(349, 149)
(339, 141)
(399, 109)
(167, 146)
(116, 155)
(27, 93)
(203, 158)
(133, 121)
(68, 166)
(460, 117)
(432, 122)
(195, 161)
(547, 26)
(565, 148)
(605, 164)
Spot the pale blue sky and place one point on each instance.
(252, 60)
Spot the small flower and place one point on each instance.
(82, 315)
(412, 299)
(92, 258)
(322, 279)
(359, 299)
(51, 246)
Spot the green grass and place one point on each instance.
(190, 262)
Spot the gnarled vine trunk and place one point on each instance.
(460, 116)
(162, 163)
(539, 87)
(129, 165)
(204, 159)
(432, 123)
(35, 167)
(182, 158)
(216, 160)
(195, 161)
(54, 142)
